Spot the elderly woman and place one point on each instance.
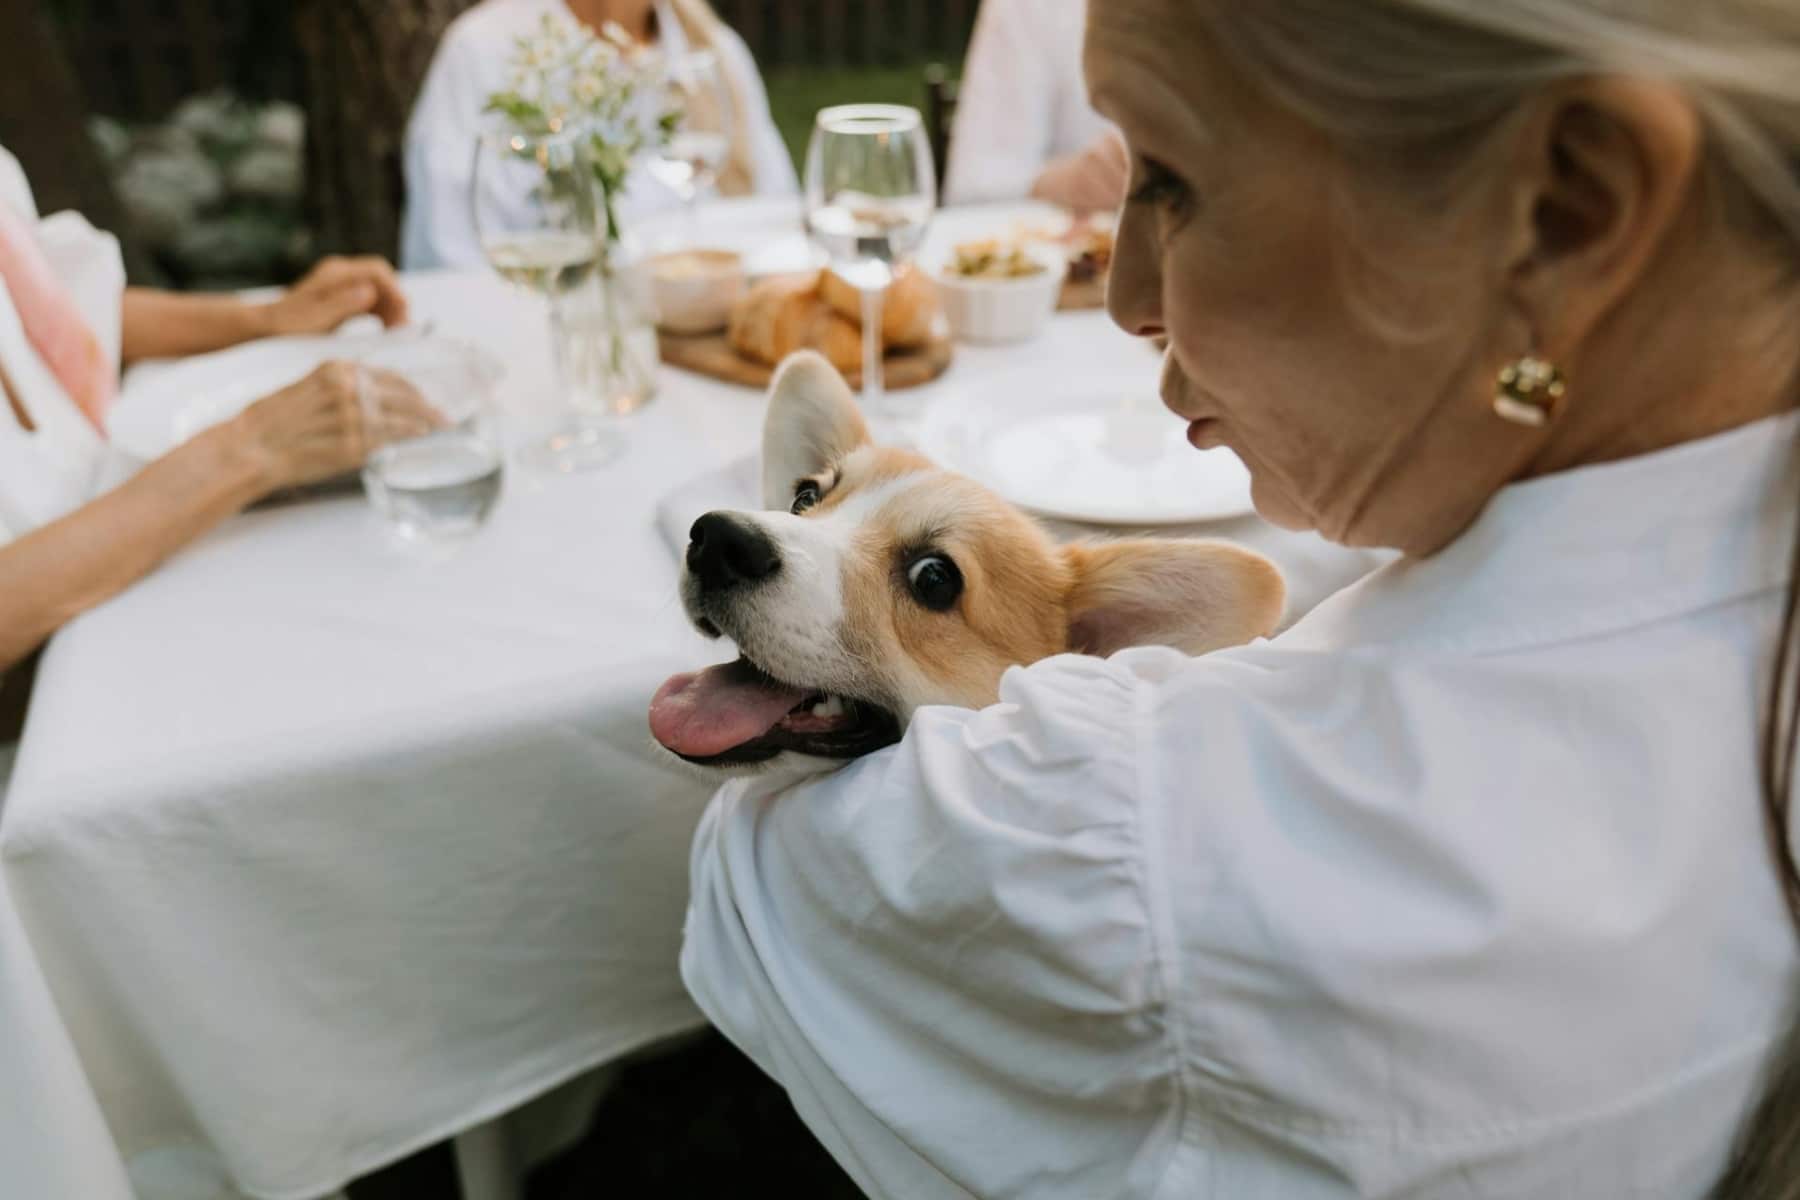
(66, 322)
(1476, 882)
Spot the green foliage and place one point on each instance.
(796, 94)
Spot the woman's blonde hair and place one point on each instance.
(705, 31)
(1421, 84)
(1422, 87)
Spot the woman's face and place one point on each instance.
(1361, 414)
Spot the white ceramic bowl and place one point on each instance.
(1002, 310)
(694, 289)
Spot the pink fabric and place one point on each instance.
(53, 324)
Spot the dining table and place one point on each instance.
(319, 850)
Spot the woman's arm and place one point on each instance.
(1093, 179)
(437, 227)
(310, 431)
(59, 571)
(169, 325)
(937, 949)
(1003, 130)
(774, 168)
(160, 324)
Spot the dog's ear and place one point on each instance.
(812, 422)
(1193, 595)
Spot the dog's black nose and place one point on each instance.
(724, 550)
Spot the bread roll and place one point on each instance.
(781, 315)
(907, 313)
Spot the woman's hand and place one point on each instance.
(327, 424)
(335, 290)
(1093, 179)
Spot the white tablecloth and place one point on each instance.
(328, 853)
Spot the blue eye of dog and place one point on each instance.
(806, 494)
(935, 582)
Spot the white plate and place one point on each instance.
(1088, 451)
(163, 404)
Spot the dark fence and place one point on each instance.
(137, 59)
(837, 33)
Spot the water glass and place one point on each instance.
(436, 489)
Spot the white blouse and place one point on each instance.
(1458, 888)
(47, 471)
(1022, 102)
(437, 228)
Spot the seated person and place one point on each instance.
(438, 229)
(1024, 126)
(66, 323)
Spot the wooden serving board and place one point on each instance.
(1078, 296)
(710, 354)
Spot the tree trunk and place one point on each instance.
(361, 65)
(42, 115)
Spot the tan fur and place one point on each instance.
(1011, 611)
(1197, 596)
(1024, 598)
(869, 467)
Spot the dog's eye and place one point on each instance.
(935, 582)
(806, 494)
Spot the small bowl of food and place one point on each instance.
(694, 290)
(996, 291)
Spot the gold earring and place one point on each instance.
(1530, 391)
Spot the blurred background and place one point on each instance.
(230, 144)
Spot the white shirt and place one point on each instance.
(46, 472)
(1022, 101)
(53, 1140)
(1457, 889)
(437, 228)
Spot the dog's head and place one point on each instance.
(879, 583)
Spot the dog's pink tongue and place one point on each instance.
(717, 710)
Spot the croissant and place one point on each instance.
(781, 315)
(907, 312)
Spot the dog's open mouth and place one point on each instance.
(736, 714)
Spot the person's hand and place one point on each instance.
(327, 423)
(335, 290)
(1093, 179)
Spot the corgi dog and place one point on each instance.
(878, 583)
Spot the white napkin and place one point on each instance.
(737, 484)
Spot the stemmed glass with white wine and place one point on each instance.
(540, 214)
(871, 187)
(705, 118)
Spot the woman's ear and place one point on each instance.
(812, 423)
(1604, 172)
(1196, 596)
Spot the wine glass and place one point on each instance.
(697, 96)
(540, 215)
(871, 187)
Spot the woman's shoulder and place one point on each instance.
(469, 63)
(481, 39)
